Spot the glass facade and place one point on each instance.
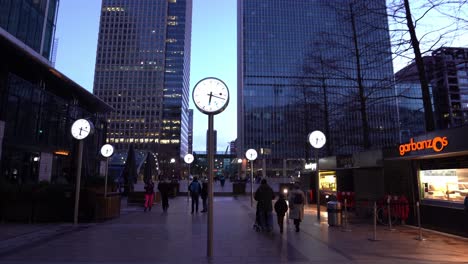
(142, 70)
(450, 87)
(410, 109)
(314, 65)
(27, 21)
(37, 129)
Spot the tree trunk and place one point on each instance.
(428, 114)
(362, 97)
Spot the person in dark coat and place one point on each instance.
(204, 196)
(195, 189)
(163, 187)
(149, 194)
(281, 207)
(264, 196)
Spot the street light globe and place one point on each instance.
(239, 160)
(172, 160)
(285, 191)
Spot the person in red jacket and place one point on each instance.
(149, 194)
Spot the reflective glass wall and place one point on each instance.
(31, 21)
(307, 65)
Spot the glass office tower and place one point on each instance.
(32, 22)
(314, 65)
(142, 70)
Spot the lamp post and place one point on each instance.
(317, 140)
(172, 162)
(239, 168)
(251, 155)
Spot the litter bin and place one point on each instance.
(334, 213)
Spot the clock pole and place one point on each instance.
(105, 178)
(317, 140)
(210, 184)
(251, 182)
(211, 97)
(317, 182)
(78, 181)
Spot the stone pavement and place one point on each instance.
(179, 237)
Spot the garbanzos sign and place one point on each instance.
(437, 144)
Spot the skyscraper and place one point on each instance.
(314, 65)
(32, 22)
(450, 86)
(142, 70)
(447, 74)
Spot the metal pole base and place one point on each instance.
(373, 239)
(390, 229)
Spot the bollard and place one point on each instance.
(374, 238)
(345, 226)
(390, 228)
(420, 237)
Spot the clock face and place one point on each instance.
(107, 150)
(211, 95)
(251, 154)
(188, 158)
(317, 139)
(81, 128)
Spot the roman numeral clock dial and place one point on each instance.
(211, 95)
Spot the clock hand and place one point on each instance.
(219, 97)
(210, 94)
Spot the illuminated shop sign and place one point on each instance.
(437, 144)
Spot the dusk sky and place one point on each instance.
(214, 53)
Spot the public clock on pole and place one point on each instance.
(317, 139)
(210, 95)
(188, 158)
(107, 150)
(251, 154)
(82, 128)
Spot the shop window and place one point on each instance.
(446, 185)
(328, 181)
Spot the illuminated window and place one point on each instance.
(447, 185)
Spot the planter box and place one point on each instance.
(107, 207)
(238, 188)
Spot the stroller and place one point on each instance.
(262, 222)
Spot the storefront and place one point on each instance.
(38, 105)
(433, 169)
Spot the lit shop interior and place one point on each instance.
(327, 182)
(445, 185)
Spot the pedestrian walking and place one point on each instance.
(281, 207)
(195, 189)
(204, 196)
(264, 196)
(222, 180)
(296, 206)
(163, 187)
(149, 194)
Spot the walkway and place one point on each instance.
(179, 237)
